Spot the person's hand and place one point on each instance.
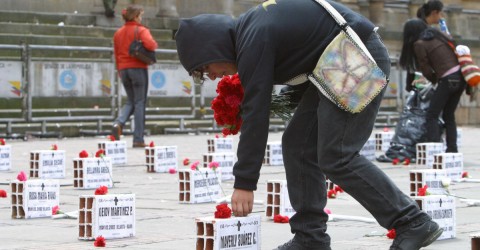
(242, 202)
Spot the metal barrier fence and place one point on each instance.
(79, 84)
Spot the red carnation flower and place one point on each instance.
(332, 194)
(22, 176)
(396, 161)
(2, 141)
(83, 154)
(465, 175)
(226, 106)
(406, 162)
(54, 147)
(102, 190)
(213, 165)
(100, 153)
(186, 161)
(172, 170)
(280, 219)
(56, 210)
(152, 144)
(194, 165)
(111, 137)
(223, 211)
(423, 191)
(100, 242)
(391, 234)
(3, 193)
(338, 189)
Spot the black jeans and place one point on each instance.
(445, 100)
(324, 141)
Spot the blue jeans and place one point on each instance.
(445, 100)
(324, 141)
(135, 83)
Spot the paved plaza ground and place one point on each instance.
(162, 222)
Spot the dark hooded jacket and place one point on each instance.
(270, 44)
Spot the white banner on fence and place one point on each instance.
(169, 79)
(76, 79)
(10, 79)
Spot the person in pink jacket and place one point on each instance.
(133, 72)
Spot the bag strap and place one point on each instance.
(135, 34)
(344, 26)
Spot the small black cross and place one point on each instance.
(116, 200)
(43, 186)
(206, 175)
(440, 202)
(239, 225)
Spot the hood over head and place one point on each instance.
(205, 39)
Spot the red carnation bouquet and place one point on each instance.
(226, 106)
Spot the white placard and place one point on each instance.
(50, 163)
(5, 157)
(452, 163)
(169, 79)
(116, 150)
(114, 216)
(166, 158)
(441, 209)
(426, 152)
(223, 145)
(383, 139)
(205, 185)
(238, 233)
(286, 208)
(39, 197)
(432, 178)
(10, 79)
(63, 79)
(275, 153)
(225, 161)
(368, 150)
(97, 172)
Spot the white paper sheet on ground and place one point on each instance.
(338, 217)
(228, 199)
(471, 202)
(467, 180)
(68, 215)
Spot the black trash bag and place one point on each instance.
(410, 129)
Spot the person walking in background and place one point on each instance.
(109, 6)
(273, 43)
(133, 72)
(431, 12)
(427, 49)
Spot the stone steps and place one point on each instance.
(86, 31)
(67, 29)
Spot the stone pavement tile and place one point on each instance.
(163, 223)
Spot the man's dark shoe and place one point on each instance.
(418, 236)
(295, 245)
(117, 131)
(290, 245)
